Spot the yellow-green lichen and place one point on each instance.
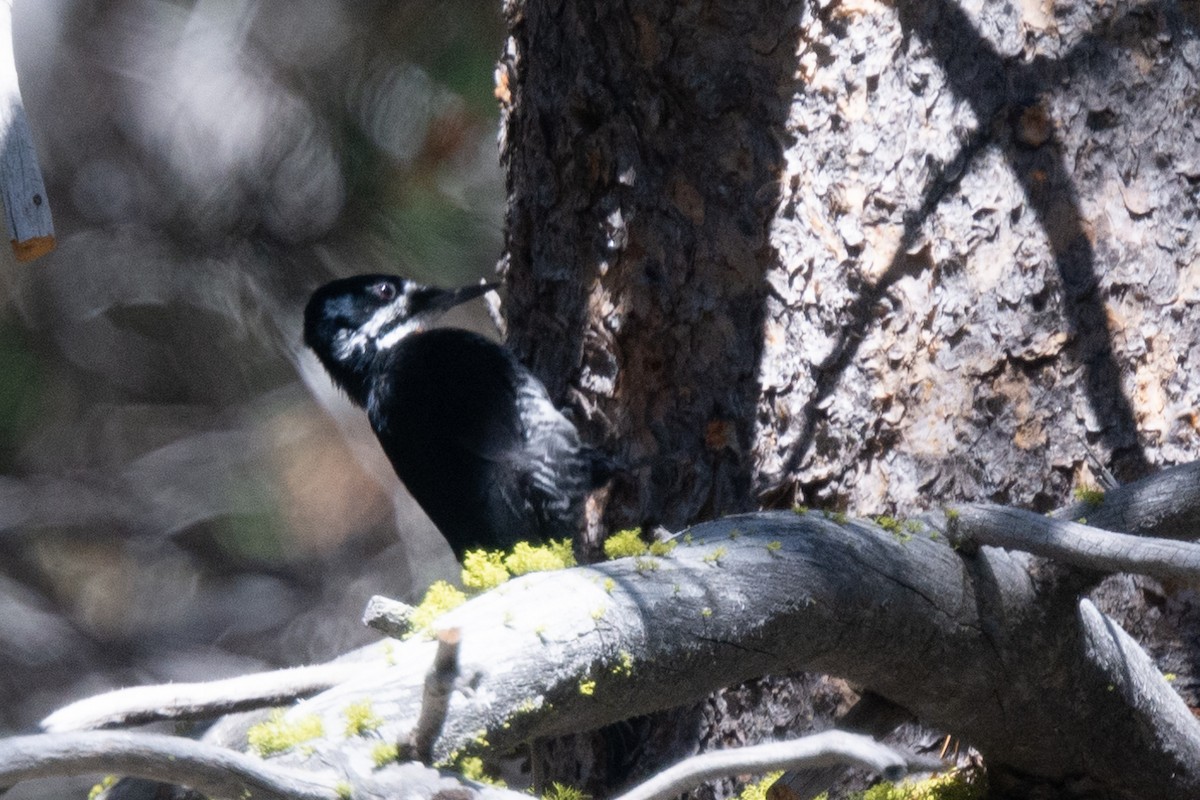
(609, 585)
(758, 789)
(483, 570)
(1089, 494)
(526, 558)
(389, 653)
(966, 784)
(598, 612)
(774, 547)
(663, 548)
(587, 687)
(623, 665)
(384, 753)
(105, 783)
(277, 734)
(558, 791)
(706, 612)
(624, 544)
(343, 790)
(472, 769)
(716, 555)
(644, 564)
(439, 598)
(361, 719)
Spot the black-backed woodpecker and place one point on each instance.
(469, 430)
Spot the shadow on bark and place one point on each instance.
(1009, 90)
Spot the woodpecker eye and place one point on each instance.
(385, 291)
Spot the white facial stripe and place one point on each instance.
(348, 343)
(397, 333)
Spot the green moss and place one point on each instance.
(623, 544)
(839, 517)
(105, 783)
(558, 791)
(758, 789)
(484, 569)
(276, 735)
(774, 547)
(384, 753)
(361, 719)
(735, 534)
(440, 598)
(1089, 494)
(799, 510)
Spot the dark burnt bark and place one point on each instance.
(643, 147)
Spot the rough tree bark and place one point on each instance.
(860, 255)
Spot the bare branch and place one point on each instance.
(439, 683)
(820, 750)
(873, 716)
(1073, 543)
(213, 771)
(179, 701)
(1166, 505)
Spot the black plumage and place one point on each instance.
(468, 429)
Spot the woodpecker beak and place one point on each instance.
(442, 300)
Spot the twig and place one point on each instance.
(213, 771)
(1166, 505)
(21, 184)
(177, 701)
(439, 683)
(818, 750)
(873, 716)
(1074, 543)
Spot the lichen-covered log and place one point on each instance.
(993, 646)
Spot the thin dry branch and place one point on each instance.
(182, 701)
(213, 771)
(818, 750)
(438, 686)
(1074, 543)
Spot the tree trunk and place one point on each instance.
(859, 256)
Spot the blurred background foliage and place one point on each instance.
(183, 495)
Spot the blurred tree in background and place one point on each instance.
(182, 493)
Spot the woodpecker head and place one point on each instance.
(348, 322)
